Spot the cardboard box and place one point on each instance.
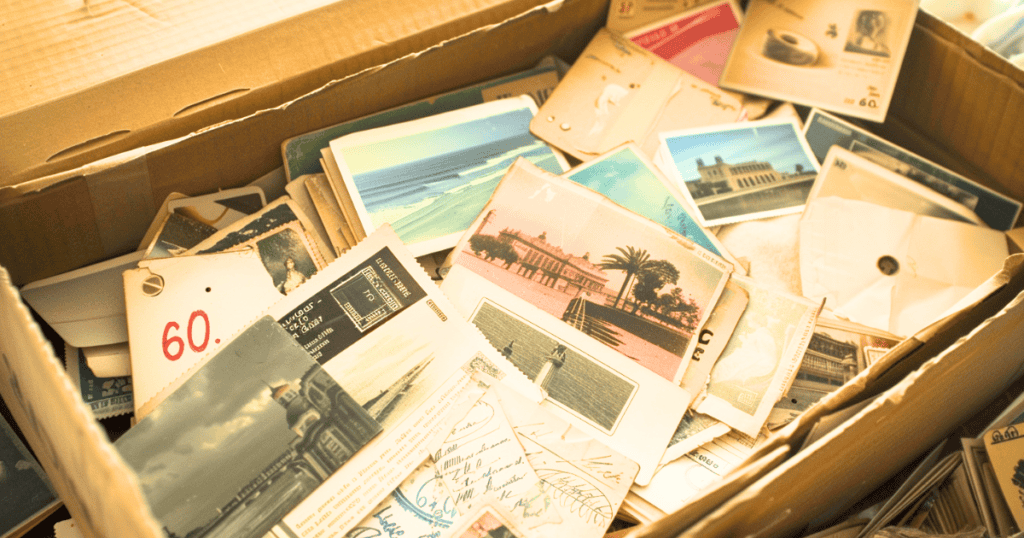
(957, 104)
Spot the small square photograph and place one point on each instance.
(869, 33)
(740, 172)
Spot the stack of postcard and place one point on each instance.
(429, 322)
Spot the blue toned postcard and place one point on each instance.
(823, 131)
(742, 171)
(26, 496)
(429, 178)
(627, 178)
(301, 154)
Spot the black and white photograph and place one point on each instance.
(565, 374)
(745, 171)
(25, 493)
(287, 254)
(245, 439)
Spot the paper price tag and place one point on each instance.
(180, 309)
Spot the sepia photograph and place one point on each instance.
(245, 439)
(429, 178)
(843, 56)
(617, 277)
(565, 374)
(288, 255)
(741, 172)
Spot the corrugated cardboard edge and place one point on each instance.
(231, 153)
(100, 491)
(886, 435)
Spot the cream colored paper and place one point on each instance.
(617, 92)
(846, 244)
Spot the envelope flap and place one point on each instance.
(613, 94)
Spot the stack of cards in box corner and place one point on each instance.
(429, 322)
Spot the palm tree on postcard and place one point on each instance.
(631, 261)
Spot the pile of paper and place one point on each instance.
(540, 303)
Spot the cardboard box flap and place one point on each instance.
(91, 109)
(885, 436)
(70, 223)
(99, 490)
(958, 102)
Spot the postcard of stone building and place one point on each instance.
(621, 279)
(743, 171)
(627, 177)
(761, 359)
(842, 55)
(428, 178)
(837, 352)
(603, 393)
(250, 434)
(823, 130)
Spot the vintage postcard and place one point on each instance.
(823, 130)
(697, 41)
(626, 15)
(26, 495)
(278, 216)
(842, 56)
(623, 280)
(429, 178)
(761, 358)
(181, 309)
(713, 338)
(837, 352)
(848, 175)
(325, 204)
(301, 154)
(106, 396)
(481, 457)
(604, 394)
(627, 177)
(743, 171)
(490, 520)
(420, 506)
(694, 430)
(297, 192)
(617, 92)
(189, 220)
(1004, 446)
(587, 480)
(683, 479)
(176, 235)
(250, 434)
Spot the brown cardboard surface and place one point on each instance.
(85, 469)
(911, 417)
(73, 103)
(232, 154)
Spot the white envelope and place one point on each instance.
(181, 309)
(846, 244)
